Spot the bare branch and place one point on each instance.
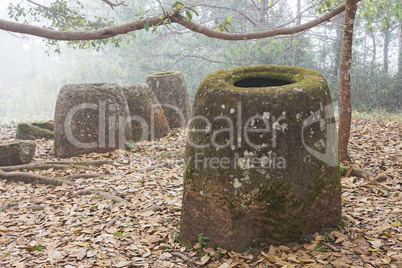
(253, 21)
(113, 5)
(41, 6)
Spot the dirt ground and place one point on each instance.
(54, 226)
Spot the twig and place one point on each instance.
(102, 194)
(331, 247)
(113, 5)
(94, 163)
(112, 222)
(153, 208)
(83, 176)
(163, 10)
(35, 207)
(182, 256)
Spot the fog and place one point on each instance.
(30, 77)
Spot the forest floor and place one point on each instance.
(70, 230)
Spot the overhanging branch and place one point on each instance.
(125, 28)
(195, 27)
(103, 33)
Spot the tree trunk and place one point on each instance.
(374, 49)
(16, 152)
(261, 11)
(399, 74)
(338, 43)
(387, 34)
(295, 48)
(345, 107)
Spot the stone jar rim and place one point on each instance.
(294, 78)
(165, 73)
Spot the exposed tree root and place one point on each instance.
(35, 207)
(15, 204)
(45, 166)
(84, 176)
(32, 178)
(182, 256)
(362, 173)
(167, 164)
(40, 179)
(8, 204)
(85, 165)
(101, 194)
(93, 163)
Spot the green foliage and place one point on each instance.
(223, 26)
(38, 247)
(65, 15)
(322, 6)
(179, 7)
(203, 241)
(118, 234)
(319, 247)
(128, 59)
(328, 237)
(381, 15)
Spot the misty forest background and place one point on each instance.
(32, 71)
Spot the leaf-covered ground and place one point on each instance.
(71, 230)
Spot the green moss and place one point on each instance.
(317, 189)
(188, 173)
(166, 73)
(274, 198)
(302, 78)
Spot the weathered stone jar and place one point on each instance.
(261, 158)
(171, 91)
(148, 119)
(91, 118)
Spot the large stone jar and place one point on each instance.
(171, 91)
(91, 118)
(261, 158)
(148, 119)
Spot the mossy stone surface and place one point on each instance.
(91, 118)
(32, 132)
(16, 152)
(148, 119)
(250, 171)
(171, 91)
(49, 125)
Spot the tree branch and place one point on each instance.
(195, 27)
(253, 21)
(113, 5)
(104, 33)
(111, 31)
